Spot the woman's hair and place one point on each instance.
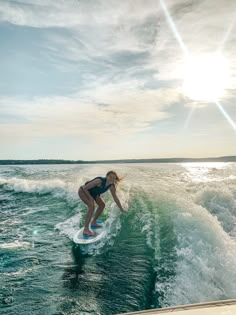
(118, 179)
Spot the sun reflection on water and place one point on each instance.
(203, 171)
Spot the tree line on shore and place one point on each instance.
(159, 160)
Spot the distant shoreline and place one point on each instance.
(122, 161)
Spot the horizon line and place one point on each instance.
(233, 157)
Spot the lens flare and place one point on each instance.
(226, 115)
(206, 77)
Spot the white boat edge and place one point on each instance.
(223, 307)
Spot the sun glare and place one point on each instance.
(206, 77)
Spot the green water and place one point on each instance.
(171, 247)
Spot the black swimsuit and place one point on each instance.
(98, 190)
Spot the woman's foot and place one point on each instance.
(96, 224)
(87, 232)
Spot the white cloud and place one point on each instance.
(102, 28)
(117, 49)
(71, 13)
(101, 113)
(40, 13)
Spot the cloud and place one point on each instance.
(72, 13)
(203, 26)
(121, 59)
(40, 13)
(116, 34)
(107, 111)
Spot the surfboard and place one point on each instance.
(79, 238)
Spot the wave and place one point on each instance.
(32, 186)
(58, 188)
(220, 203)
(193, 256)
(203, 261)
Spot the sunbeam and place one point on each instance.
(174, 28)
(226, 115)
(227, 35)
(205, 79)
(190, 114)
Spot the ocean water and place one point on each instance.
(175, 245)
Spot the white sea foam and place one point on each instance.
(15, 245)
(58, 188)
(33, 186)
(11, 222)
(221, 203)
(70, 226)
(205, 266)
(201, 209)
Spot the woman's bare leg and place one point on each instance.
(89, 214)
(101, 206)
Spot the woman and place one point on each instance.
(90, 192)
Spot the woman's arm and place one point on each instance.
(116, 199)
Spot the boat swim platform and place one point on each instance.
(224, 307)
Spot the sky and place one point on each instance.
(111, 79)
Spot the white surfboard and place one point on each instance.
(79, 238)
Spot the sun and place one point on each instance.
(206, 77)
